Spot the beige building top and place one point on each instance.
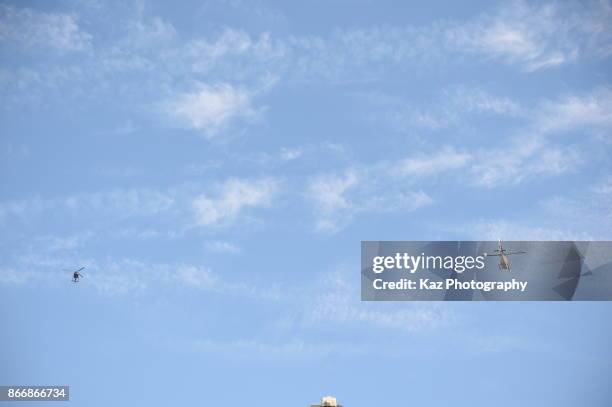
(327, 401)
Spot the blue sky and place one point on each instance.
(215, 165)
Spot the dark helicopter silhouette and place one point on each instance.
(76, 274)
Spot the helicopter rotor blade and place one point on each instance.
(74, 271)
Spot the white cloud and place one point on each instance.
(400, 201)
(290, 154)
(205, 55)
(604, 189)
(35, 29)
(450, 108)
(339, 197)
(11, 276)
(196, 277)
(513, 230)
(154, 32)
(446, 159)
(212, 109)
(592, 111)
(528, 151)
(221, 246)
(329, 191)
(122, 276)
(461, 105)
(291, 349)
(531, 37)
(523, 159)
(118, 203)
(503, 39)
(234, 196)
(537, 155)
(127, 275)
(61, 243)
(476, 99)
(579, 214)
(337, 303)
(537, 36)
(581, 210)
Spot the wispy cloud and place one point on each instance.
(329, 191)
(119, 202)
(494, 229)
(147, 33)
(291, 349)
(532, 37)
(523, 159)
(221, 246)
(337, 303)
(537, 36)
(29, 28)
(232, 198)
(475, 99)
(126, 275)
(328, 304)
(528, 152)
(530, 147)
(442, 160)
(224, 64)
(537, 152)
(583, 209)
(451, 108)
(581, 213)
(230, 48)
(119, 213)
(604, 189)
(290, 154)
(211, 109)
(9, 275)
(587, 110)
(65, 243)
(339, 197)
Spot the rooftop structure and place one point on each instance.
(327, 401)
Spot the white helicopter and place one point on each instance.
(504, 263)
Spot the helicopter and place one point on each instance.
(504, 263)
(76, 274)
